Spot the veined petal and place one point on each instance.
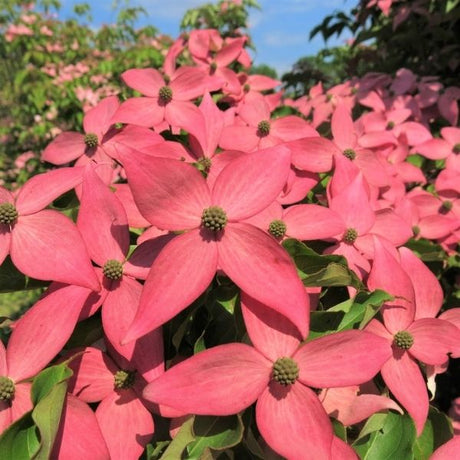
(294, 423)
(341, 450)
(341, 359)
(169, 193)
(181, 272)
(146, 353)
(5, 241)
(447, 451)
(246, 252)
(187, 83)
(428, 291)
(353, 205)
(313, 153)
(146, 81)
(387, 274)
(141, 260)
(312, 222)
(79, 435)
(93, 375)
(126, 425)
(21, 402)
(98, 119)
(106, 237)
(66, 147)
(404, 379)
(202, 384)
(141, 111)
(270, 332)
(342, 127)
(185, 115)
(433, 339)
(39, 191)
(47, 246)
(43, 330)
(250, 183)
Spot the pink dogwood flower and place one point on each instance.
(165, 102)
(426, 339)
(277, 372)
(174, 196)
(43, 243)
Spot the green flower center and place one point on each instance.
(263, 128)
(246, 87)
(214, 218)
(113, 270)
(285, 371)
(456, 148)
(415, 230)
(350, 154)
(91, 140)
(165, 95)
(329, 97)
(213, 66)
(446, 206)
(6, 388)
(277, 228)
(205, 163)
(124, 379)
(403, 339)
(8, 213)
(350, 236)
(390, 125)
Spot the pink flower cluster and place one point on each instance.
(215, 183)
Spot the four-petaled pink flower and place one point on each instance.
(277, 373)
(174, 196)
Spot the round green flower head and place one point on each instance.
(350, 154)
(456, 148)
(415, 230)
(390, 125)
(205, 163)
(214, 218)
(91, 140)
(246, 87)
(165, 95)
(447, 205)
(8, 213)
(213, 66)
(263, 128)
(403, 340)
(113, 270)
(124, 379)
(285, 371)
(350, 236)
(6, 388)
(277, 228)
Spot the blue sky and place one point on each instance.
(279, 31)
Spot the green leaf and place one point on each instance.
(351, 314)
(393, 440)
(20, 440)
(48, 395)
(423, 445)
(11, 279)
(318, 270)
(442, 427)
(216, 433)
(180, 441)
(33, 435)
(45, 381)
